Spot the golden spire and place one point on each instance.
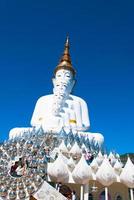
(65, 61)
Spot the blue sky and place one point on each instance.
(32, 36)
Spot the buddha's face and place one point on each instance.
(64, 76)
(63, 82)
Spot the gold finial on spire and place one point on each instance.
(65, 61)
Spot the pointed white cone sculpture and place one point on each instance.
(105, 174)
(111, 155)
(62, 148)
(112, 159)
(71, 164)
(75, 150)
(58, 171)
(99, 158)
(82, 172)
(69, 146)
(118, 167)
(127, 174)
(94, 165)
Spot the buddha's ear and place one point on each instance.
(53, 80)
(54, 83)
(73, 83)
(71, 86)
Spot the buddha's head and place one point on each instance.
(64, 78)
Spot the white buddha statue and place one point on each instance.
(61, 109)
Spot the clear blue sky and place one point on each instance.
(32, 36)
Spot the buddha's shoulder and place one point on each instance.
(45, 98)
(76, 98)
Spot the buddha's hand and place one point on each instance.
(52, 124)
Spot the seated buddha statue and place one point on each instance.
(62, 109)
